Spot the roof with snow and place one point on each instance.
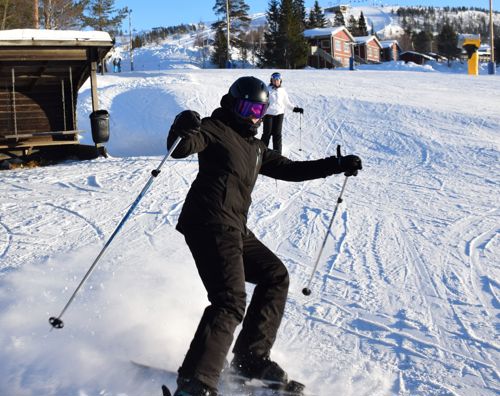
(320, 32)
(366, 40)
(418, 54)
(388, 43)
(328, 31)
(40, 37)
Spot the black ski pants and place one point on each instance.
(272, 127)
(226, 259)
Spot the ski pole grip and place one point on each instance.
(338, 151)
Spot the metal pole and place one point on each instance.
(130, 40)
(300, 131)
(492, 65)
(57, 322)
(306, 290)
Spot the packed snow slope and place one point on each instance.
(405, 298)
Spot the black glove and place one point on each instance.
(187, 123)
(350, 164)
(298, 110)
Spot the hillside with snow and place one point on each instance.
(180, 50)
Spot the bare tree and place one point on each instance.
(63, 14)
(17, 14)
(36, 22)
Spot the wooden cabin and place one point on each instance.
(390, 50)
(329, 47)
(41, 72)
(367, 49)
(415, 57)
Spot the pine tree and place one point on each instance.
(362, 28)
(269, 55)
(291, 42)
(339, 19)
(102, 15)
(219, 54)
(447, 42)
(316, 17)
(300, 12)
(238, 21)
(300, 47)
(422, 41)
(352, 25)
(286, 22)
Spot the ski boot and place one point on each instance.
(245, 368)
(193, 387)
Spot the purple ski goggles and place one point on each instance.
(246, 108)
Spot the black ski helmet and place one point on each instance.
(249, 88)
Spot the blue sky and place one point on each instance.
(147, 14)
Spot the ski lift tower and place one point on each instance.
(471, 43)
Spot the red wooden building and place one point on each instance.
(367, 49)
(390, 50)
(329, 47)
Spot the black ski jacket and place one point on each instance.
(230, 159)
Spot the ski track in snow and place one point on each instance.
(405, 297)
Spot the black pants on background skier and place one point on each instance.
(227, 254)
(279, 101)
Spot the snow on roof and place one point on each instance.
(363, 39)
(388, 43)
(55, 35)
(319, 32)
(417, 54)
(464, 36)
(366, 40)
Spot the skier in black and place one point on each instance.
(227, 254)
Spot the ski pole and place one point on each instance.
(300, 131)
(307, 290)
(57, 322)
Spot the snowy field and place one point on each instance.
(404, 302)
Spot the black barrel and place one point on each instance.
(99, 123)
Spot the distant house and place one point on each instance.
(390, 50)
(437, 57)
(343, 8)
(329, 47)
(484, 53)
(415, 57)
(367, 49)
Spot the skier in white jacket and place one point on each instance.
(273, 120)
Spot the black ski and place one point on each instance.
(165, 391)
(253, 387)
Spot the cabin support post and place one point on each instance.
(93, 85)
(73, 110)
(63, 96)
(14, 100)
(94, 57)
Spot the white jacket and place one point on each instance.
(278, 101)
